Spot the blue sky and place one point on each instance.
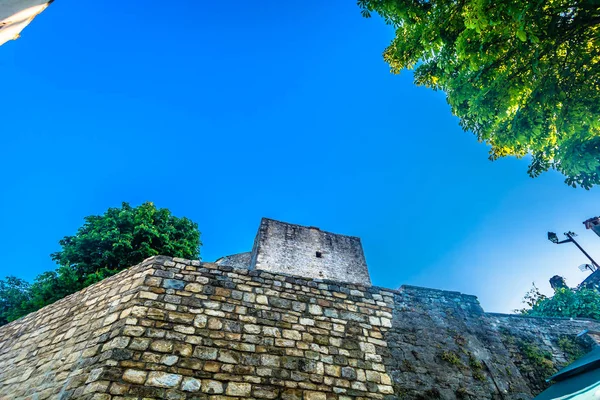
(226, 112)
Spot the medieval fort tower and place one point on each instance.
(306, 251)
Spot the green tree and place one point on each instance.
(566, 302)
(522, 75)
(105, 245)
(14, 297)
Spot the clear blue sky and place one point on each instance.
(226, 112)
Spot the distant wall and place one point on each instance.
(540, 346)
(180, 329)
(310, 252)
(240, 260)
(442, 345)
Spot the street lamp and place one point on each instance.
(552, 237)
(570, 239)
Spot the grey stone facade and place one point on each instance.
(310, 252)
(442, 345)
(303, 251)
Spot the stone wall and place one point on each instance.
(59, 351)
(540, 346)
(239, 260)
(179, 329)
(442, 345)
(308, 251)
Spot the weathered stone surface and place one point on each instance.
(308, 252)
(135, 376)
(59, 346)
(309, 395)
(216, 333)
(238, 389)
(162, 379)
(191, 384)
(212, 387)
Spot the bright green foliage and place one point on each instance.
(102, 247)
(571, 347)
(566, 302)
(14, 296)
(538, 357)
(523, 75)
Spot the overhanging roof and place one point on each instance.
(579, 387)
(15, 15)
(588, 362)
(579, 380)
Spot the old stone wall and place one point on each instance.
(239, 260)
(307, 251)
(443, 345)
(541, 346)
(58, 352)
(179, 329)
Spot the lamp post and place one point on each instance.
(554, 239)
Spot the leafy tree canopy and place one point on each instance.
(566, 302)
(103, 246)
(524, 76)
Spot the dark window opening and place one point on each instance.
(319, 254)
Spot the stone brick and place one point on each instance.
(280, 303)
(270, 331)
(180, 317)
(265, 392)
(212, 366)
(163, 346)
(139, 344)
(307, 322)
(135, 376)
(212, 387)
(294, 335)
(191, 384)
(270, 360)
(238, 389)
(291, 394)
(118, 388)
(309, 395)
(254, 329)
(333, 370)
(200, 321)
(182, 349)
(134, 330)
(349, 373)
(228, 357)
(315, 309)
(194, 287)
(174, 284)
(169, 360)
(205, 353)
(163, 379)
(214, 323)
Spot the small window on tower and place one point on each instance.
(319, 254)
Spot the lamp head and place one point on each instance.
(552, 237)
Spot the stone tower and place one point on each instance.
(281, 247)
